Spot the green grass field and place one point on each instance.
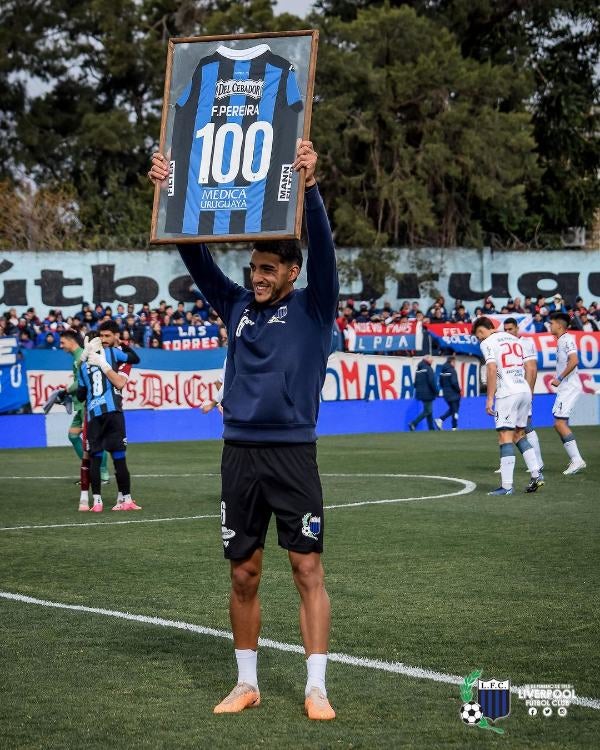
(509, 585)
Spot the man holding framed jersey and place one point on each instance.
(279, 341)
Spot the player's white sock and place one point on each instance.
(246, 661)
(529, 456)
(125, 498)
(535, 444)
(507, 464)
(571, 447)
(97, 500)
(84, 497)
(316, 664)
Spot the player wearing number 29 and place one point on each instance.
(507, 385)
(234, 139)
(279, 341)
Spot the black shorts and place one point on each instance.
(106, 433)
(261, 479)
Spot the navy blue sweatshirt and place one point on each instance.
(425, 388)
(449, 382)
(277, 354)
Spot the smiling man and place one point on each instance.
(279, 341)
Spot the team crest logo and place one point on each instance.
(493, 701)
(311, 526)
(277, 318)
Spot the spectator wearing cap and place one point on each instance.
(363, 316)
(557, 304)
(451, 392)
(488, 306)
(510, 306)
(426, 392)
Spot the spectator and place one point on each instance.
(539, 325)
(518, 306)
(127, 339)
(121, 310)
(461, 315)
(144, 310)
(344, 320)
(155, 343)
(488, 306)
(387, 310)
(583, 322)
(223, 339)
(25, 342)
(557, 304)
(49, 342)
(200, 308)
(579, 306)
(363, 316)
(425, 392)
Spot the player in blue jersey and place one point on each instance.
(279, 341)
(234, 141)
(100, 385)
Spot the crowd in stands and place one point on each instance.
(141, 326)
(583, 317)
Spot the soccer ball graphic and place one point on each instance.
(471, 713)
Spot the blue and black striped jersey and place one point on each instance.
(234, 142)
(101, 396)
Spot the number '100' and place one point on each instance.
(241, 150)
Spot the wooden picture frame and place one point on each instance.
(234, 107)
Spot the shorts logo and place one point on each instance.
(311, 526)
(227, 533)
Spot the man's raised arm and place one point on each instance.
(321, 271)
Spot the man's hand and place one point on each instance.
(98, 359)
(555, 382)
(159, 171)
(306, 158)
(489, 407)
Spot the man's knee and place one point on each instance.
(245, 578)
(307, 570)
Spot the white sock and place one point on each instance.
(83, 497)
(120, 497)
(507, 470)
(531, 462)
(246, 661)
(97, 499)
(125, 498)
(535, 444)
(316, 664)
(573, 450)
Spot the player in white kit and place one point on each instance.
(508, 400)
(568, 389)
(530, 362)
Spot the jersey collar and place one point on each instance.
(243, 54)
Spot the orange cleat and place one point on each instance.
(317, 706)
(242, 696)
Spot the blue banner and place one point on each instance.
(190, 338)
(13, 377)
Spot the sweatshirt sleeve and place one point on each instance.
(454, 381)
(219, 290)
(321, 271)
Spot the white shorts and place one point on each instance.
(512, 411)
(565, 403)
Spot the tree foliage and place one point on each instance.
(437, 121)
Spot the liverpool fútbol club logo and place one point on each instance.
(493, 701)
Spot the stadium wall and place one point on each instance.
(336, 418)
(66, 279)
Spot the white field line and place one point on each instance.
(467, 487)
(354, 661)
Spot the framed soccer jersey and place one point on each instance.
(233, 111)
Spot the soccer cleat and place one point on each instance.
(242, 696)
(97, 508)
(574, 467)
(117, 506)
(411, 427)
(438, 423)
(317, 706)
(83, 508)
(501, 491)
(535, 483)
(130, 505)
(497, 471)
